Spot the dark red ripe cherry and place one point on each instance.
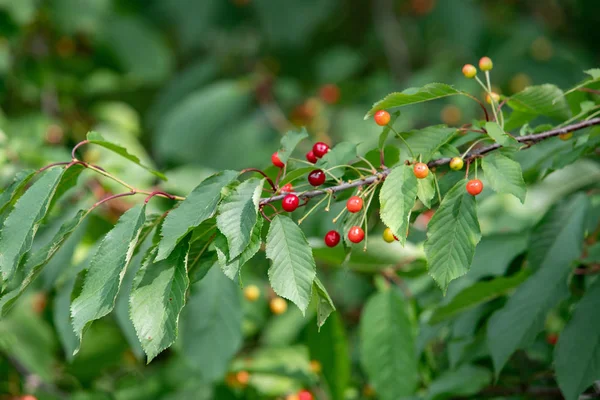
(305, 395)
(356, 234)
(474, 187)
(276, 161)
(310, 157)
(332, 238)
(287, 188)
(320, 149)
(316, 177)
(290, 202)
(354, 204)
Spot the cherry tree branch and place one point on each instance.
(528, 139)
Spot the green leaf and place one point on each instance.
(325, 305)
(329, 346)
(502, 138)
(341, 154)
(397, 198)
(237, 215)
(478, 293)
(504, 175)
(233, 268)
(199, 206)
(577, 353)
(295, 175)
(293, 268)
(428, 92)
(68, 180)
(106, 269)
(427, 141)
(21, 179)
(558, 233)
(594, 73)
(211, 325)
(426, 189)
(452, 234)
(387, 346)
(62, 319)
(545, 100)
(39, 259)
(466, 381)
(289, 142)
(517, 324)
(157, 297)
(386, 129)
(96, 138)
(22, 223)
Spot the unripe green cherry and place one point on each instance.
(456, 163)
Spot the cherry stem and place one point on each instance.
(53, 165)
(405, 143)
(437, 188)
(467, 170)
(313, 208)
(159, 193)
(364, 218)
(109, 198)
(355, 169)
(373, 169)
(262, 173)
(487, 116)
(78, 145)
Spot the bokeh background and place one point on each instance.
(193, 86)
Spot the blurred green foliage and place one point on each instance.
(194, 86)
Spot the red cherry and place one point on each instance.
(421, 170)
(382, 118)
(354, 204)
(287, 188)
(310, 157)
(329, 93)
(316, 177)
(332, 238)
(276, 161)
(356, 234)
(290, 202)
(320, 149)
(552, 338)
(474, 187)
(305, 395)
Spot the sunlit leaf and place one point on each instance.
(293, 268)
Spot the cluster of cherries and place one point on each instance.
(421, 170)
(355, 203)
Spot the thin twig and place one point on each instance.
(262, 173)
(78, 145)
